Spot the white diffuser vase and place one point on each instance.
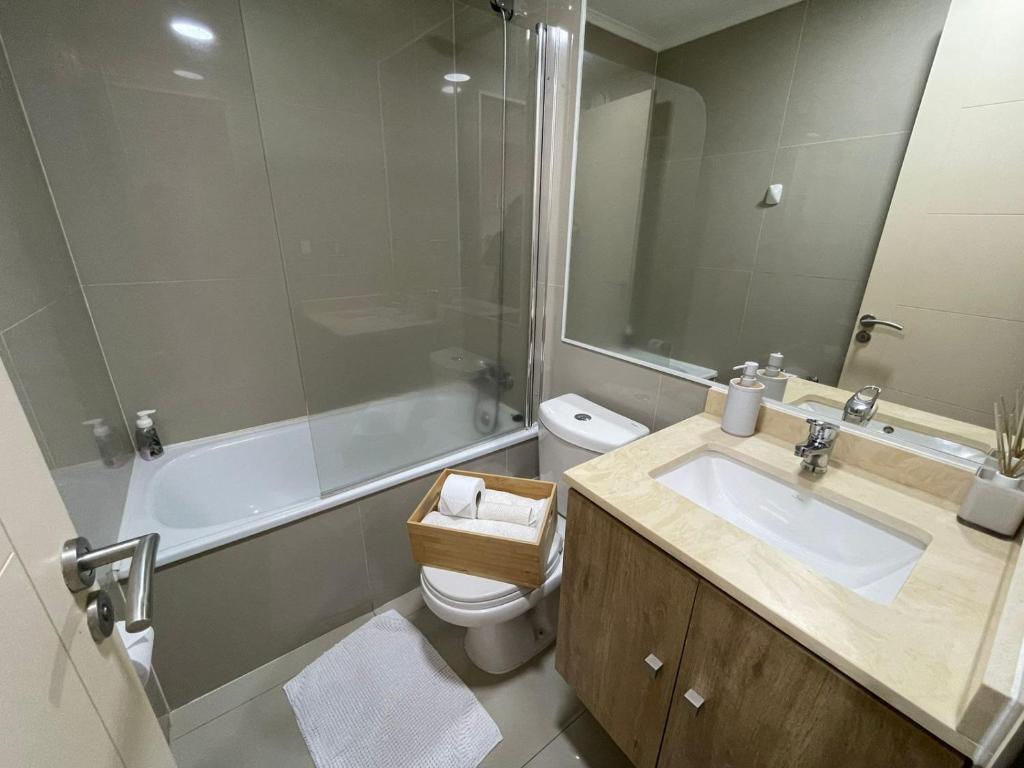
(994, 502)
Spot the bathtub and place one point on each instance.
(209, 492)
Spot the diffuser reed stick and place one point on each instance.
(1009, 422)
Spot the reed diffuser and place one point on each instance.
(996, 499)
(1010, 436)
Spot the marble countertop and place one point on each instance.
(944, 652)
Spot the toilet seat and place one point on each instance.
(466, 592)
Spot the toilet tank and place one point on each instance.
(574, 430)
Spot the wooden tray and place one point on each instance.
(522, 563)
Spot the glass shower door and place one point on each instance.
(398, 143)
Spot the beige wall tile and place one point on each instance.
(273, 593)
(835, 200)
(999, 61)
(862, 67)
(211, 356)
(743, 75)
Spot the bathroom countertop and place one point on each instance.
(944, 652)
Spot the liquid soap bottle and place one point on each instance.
(773, 377)
(743, 403)
(147, 441)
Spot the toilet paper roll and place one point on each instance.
(460, 496)
(509, 508)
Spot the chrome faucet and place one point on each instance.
(817, 449)
(861, 407)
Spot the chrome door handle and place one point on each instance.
(867, 322)
(79, 561)
(654, 665)
(870, 321)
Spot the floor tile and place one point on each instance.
(531, 705)
(262, 733)
(584, 744)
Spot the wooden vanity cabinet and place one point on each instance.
(624, 609)
(733, 691)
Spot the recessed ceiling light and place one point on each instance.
(188, 75)
(192, 30)
(456, 77)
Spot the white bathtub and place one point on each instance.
(209, 492)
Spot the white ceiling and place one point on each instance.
(661, 24)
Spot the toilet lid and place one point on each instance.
(463, 588)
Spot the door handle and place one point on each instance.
(867, 322)
(79, 561)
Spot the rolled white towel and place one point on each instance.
(460, 496)
(510, 508)
(490, 527)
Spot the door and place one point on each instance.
(750, 697)
(624, 609)
(948, 261)
(64, 699)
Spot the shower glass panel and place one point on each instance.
(399, 156)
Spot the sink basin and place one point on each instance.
(930, 443)
(864, 556)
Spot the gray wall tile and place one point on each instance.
(210, 356)
(273, 593)
(743, 74)
(678, 399)
(862, 67)
(809, 318)
(522, 460)
(835, 202)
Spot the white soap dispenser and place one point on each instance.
(147, 441)
(104, 437)
(773, 377)
(743, 403)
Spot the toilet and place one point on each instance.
(507, 625)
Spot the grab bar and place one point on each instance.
(79, 562)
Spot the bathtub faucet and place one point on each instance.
(494, 377)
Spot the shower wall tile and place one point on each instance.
(678, 122)
(210, 356)
(835, 202)
(728, 209)
(714, 311)
(862, 67)
(743, 75)
(156, 177)
(328, 175)
(227, 612)
(35, 268)
(809, 318)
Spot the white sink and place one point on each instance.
(864, 556)
(930, 443)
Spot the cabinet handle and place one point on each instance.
(695, 699)
(654, 665)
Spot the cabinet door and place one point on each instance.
(622, 600)
(768, 703)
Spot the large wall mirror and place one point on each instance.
(757, 177)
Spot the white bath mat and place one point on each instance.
(384, 698)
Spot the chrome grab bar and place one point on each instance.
(79, 562)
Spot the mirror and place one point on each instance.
(774, 176)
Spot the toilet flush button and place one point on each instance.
(583, 417)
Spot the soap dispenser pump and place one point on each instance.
(147, 441)
(773, 377)
(743, 403)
